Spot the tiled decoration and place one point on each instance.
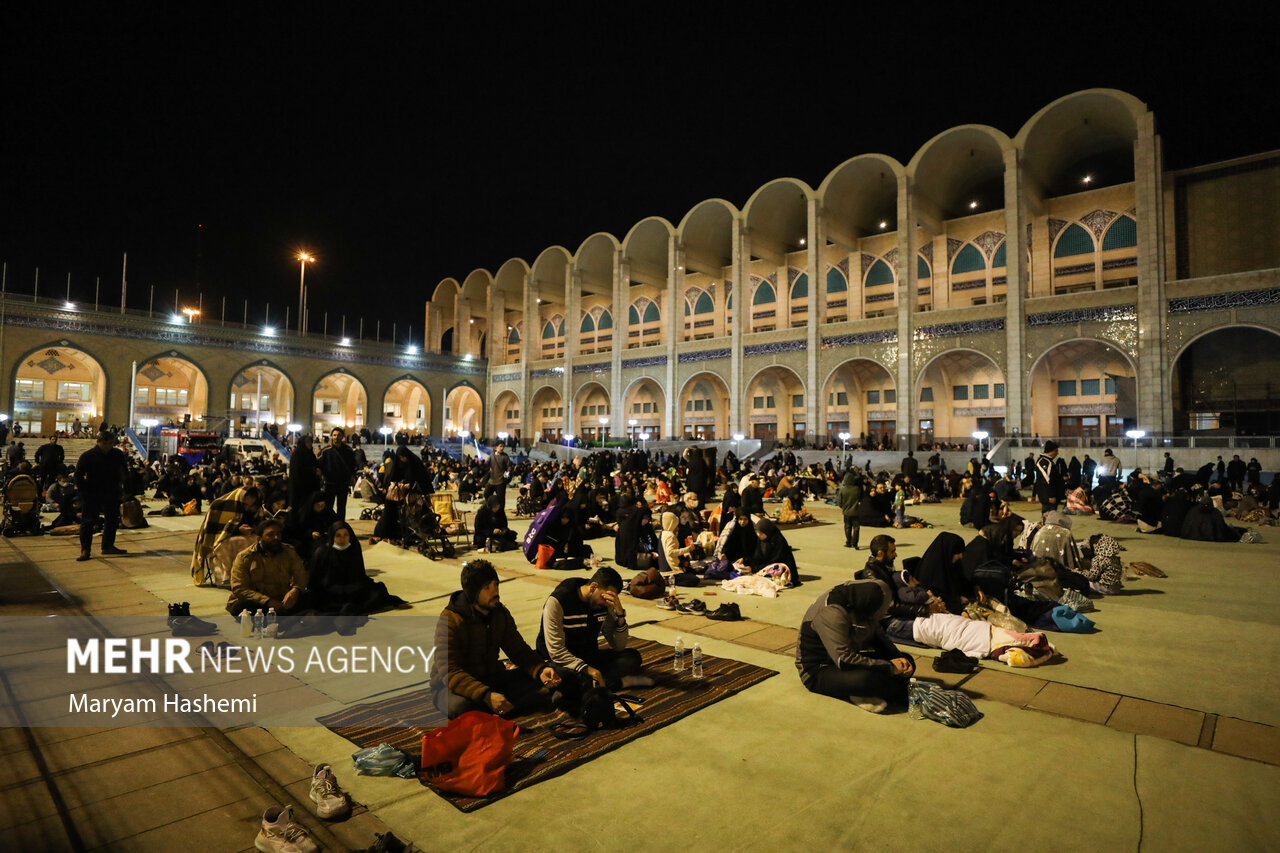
(988, 241)
(999, 280)
(927, 251)
(979, 412)
(49, 364)
(843, 266)
(647, 361)
(1219, 301)
(792, 275)
(952, 330)
(880, 297)
(1119, 263)
(1088, 409)
(1100, 314)
(776, 347)
(953, 246)
(504, 377)
(867, 261)
(544, 372)
(1073, 269)
(152, 372)
(882, 415)
(891, 258)
(1055, 227)
(923, 291)
(1097, 220)
(704, 355)
(596, 367)
(886, 336)
(968, 285)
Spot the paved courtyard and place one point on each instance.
(1157, 732)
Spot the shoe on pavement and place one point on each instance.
(869, 704)
(113, 551)
(279, 834)
(183, 624)
(386, 843)
(329, 799)
(669, 604)
(727, 612)
(694, 607)
(84, 557)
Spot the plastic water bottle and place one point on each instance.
(246, 624)
(914, 689)
(259, 622)
(269, 630)
(678, 662)
(697, 660)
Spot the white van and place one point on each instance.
(249, 448)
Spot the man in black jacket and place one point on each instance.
(576, 614)
(100, 476)
(499, 470)
(49, 459)
(338, 464)
(843, 652)
(1050, 488)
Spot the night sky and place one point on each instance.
(405, 147)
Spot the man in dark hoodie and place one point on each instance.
(843, 652)
(907, 602)
(466, 674)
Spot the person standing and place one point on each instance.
(848, 496)
(1050, 488)
(49, 459)
(338, 463)
(100, 476)
(1235, 473)
(499, 469)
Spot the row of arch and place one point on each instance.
(57, 384)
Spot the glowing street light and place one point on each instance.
(981, 436)
(192, 314)
(644, 438)
(386, 431)
(604, 423)
(844, 452)
(1136, 435)
(304, 258)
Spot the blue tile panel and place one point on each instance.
(779, 346)
(1218, 301)
(1101, 314)
(969, 285)
(505, 377)
(650, 361)
(1073, 270)
(885, 336)
(704, 355)
(952, 330)
(545, 372)
(880, 297)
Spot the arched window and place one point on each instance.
(836, 282)
(605, 321)
(633, 316)
(1123, 234)
(548, 331)
(513, 336)
(800, 290)
(880, 273)
(704, 305)
(968, 259)
(998, 259)
(922, 267)
(588, 324)
(560, 330)
(1074, 240)
(687, 309)
(651, 313)
(764, 294)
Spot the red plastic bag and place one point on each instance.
(470, 755)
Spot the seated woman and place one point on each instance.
(1078, 502)
(313, 522)
(1204, 523)
(339, 583)
(773, 549)
(491, 528)
(939, 571)
(793, 511)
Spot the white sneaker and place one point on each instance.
(870, 704)
(279, 834)
(329, 799)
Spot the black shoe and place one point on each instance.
(387, 843)
(183, 624)
(727, 612)
(955, 661)
(113, 551)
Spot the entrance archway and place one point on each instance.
(340, 400)
(590, 404)
(547, 414)
(462, 411)
(261, 394)
(775, 404)
(506, 416)
(703, 408)
(860, 398)
(406, 406)
(644, 405)
(1083, 389)
(1228, 381)
(56, 385)
(171, 388)
(960, 392)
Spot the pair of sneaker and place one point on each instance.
(281, 834)
(183, 624)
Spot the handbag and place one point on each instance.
(469, 756)
(396, 492)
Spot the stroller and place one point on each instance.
(21, 506)
(422, 528)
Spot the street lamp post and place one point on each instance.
(304, 258)
(604, 422)
(149, 424)
(844, 452)
(981, 436)
(1137, 435)
(644, 438)
(386, 431)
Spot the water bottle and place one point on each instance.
(246, 624)
(678, 662)
(258, 623)
(269, 631)
(914, 689)
(697, 660)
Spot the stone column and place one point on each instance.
(528, 340)
(572, 321)
(463, 339)
(1017, 409)
(738, 287)
(814, 401)
(906, 273)
(621, 290)
(496, 349)
(431, 327)
(1155, 403)
(674, 314)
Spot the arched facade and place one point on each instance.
(1227, 381)
(777, 404)
(1083, 389)
(548, 414)
(260, 394)
(171, 388)
(463, 411)
(703, 408)
(56, 385)
(406, 405)
(860, 398)
(960, 392)
(339, 399)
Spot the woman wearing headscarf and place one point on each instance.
(844, 653)
(939, 571)
(669, 541)
(491, 529)
(339, 583)
(313, 524)
(304, 476)
(773, 548)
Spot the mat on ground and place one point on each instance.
(538, 753)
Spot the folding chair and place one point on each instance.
(452, 520)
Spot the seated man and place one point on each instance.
(574, 617)
(269, 574)
(842, 651)
(233, 514)
(466, 674)
(907, 601)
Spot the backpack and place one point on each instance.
(131, 516)
(534, 535)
